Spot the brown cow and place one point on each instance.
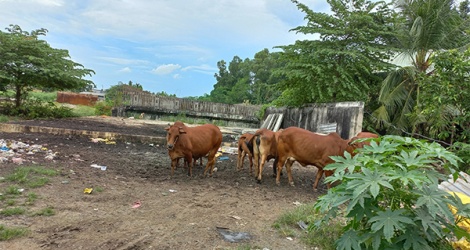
(308, 148)
(192, 143)
(245, 147)
(264, 149)
(362, 135)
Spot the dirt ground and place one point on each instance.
(175, 213)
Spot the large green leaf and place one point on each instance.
(349, 240)
(434, 200)
(389, 221)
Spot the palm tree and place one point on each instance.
(428, 26)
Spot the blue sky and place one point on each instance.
(165, 45)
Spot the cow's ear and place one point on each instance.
(167, 128)
(182, 131)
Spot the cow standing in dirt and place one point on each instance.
(245, 148)
(264, 149)
(192, 143)
(308, 148)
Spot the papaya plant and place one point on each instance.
(390, 197)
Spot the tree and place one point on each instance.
(354, 43)
(428, 26)
(446, 114)
(26, 62)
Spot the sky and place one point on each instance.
(164, 45)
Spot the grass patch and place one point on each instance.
(31, 176)
(81, 110)
(13, 211)
(11, 202)
(13, 190)
(98, 189)
(323, 238)
(32, 197)
(48, 211)
(4, 118)
(10, 233)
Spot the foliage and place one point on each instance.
(247, 81)
(26, 62)
(446, 115)
(103, 108)
(355, 42)
(391, 196)
(427, 26)
(43, 96)
(82, 110)
(288, 226)
(10, 233)
(34, 109)
(462, 150)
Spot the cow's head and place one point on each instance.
(172, 136)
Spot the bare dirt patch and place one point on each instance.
(175, 213)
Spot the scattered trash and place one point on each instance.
(172, 191)
(21, 190)
(4, 148)
(236, 217)
(136, 204)
(88, 190)
(98, 166)
(107, 141)
(223, 158)
(233, 236)
(164, 194)
(289, 238)
(297, 203)
(151, 145)
(65, 182)
(302, 225)
(17, 160)
(218, 154)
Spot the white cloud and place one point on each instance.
(177, 76)
(166, 69)
(203, 68)
(125, 70)
(122, 61)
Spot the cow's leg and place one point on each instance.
(289, 163)
(275, 167)
(256, 163)
(317, 179)
(242, 160)
(189, 159)
(261, 166)
(210, 163)
(174, 162)
(280, 164)
(250, 157)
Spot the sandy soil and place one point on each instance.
(175, 213)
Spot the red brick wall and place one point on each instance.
(77, 99)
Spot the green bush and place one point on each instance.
(43, 96)
(103, 108)
(391, 197)
(34, 109)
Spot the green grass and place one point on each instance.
(48, 211)
(43, 96)
(12, 211)
(81, 110)
(11, 202)
(12, 190)
(31, 176)
(32, 197)
(98, 189)
(4, 118)
(10, 233)
(323, 238)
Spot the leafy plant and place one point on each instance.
(390, 195)
(12, 211)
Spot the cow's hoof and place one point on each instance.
(258, 181)
(292, 184)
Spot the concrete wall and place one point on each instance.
(138, 102)
(346, 117)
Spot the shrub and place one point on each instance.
(33, 109)
(103, 108)
(391, 198)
